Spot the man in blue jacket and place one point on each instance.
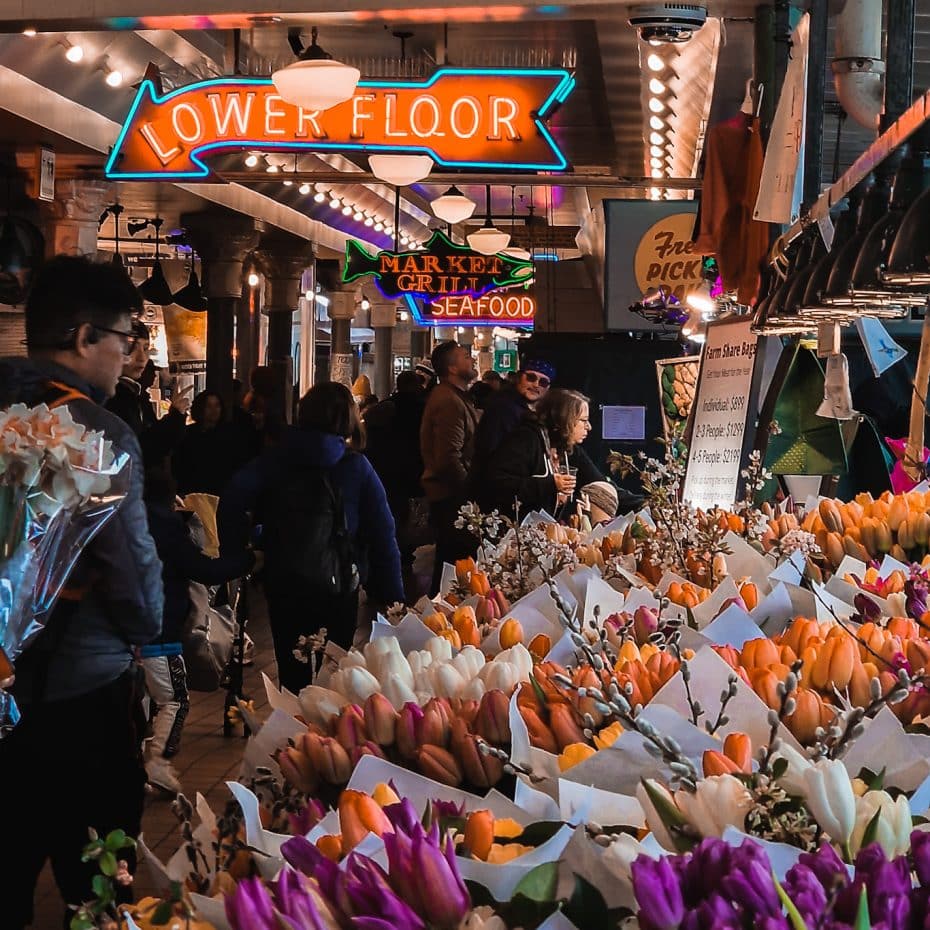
(74, 760)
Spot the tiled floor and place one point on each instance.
(206, 761)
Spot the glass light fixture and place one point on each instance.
(656, 123)
(656, 151)
(272, 168)
(369, 221)
(251, 160)
(335, 203)
(488, 240)
(694, 328)
(656, 138)
(453, 206)
(516, 252)
(358, 216)
(253, 279)
(315, 81)
(379, 226)
(304, 189)
(657, 172)
(29, 32)
(400, 170)
(654, 62)
(701, 300)
(656, 86)
(656, 105)
(346, 210)
(655, 162)
(288, 183)
(114, 78)
(365, 303)
(75, 53)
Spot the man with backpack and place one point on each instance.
(74, 760)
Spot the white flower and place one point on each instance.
(720, 801)
(482, 918)
(829, 795)
(893, 830)
(620, 855)
(793, 779)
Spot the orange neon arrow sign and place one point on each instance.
(461, 117)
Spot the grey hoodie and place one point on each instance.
(89, 644)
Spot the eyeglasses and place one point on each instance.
(533, 378)
(130, 339)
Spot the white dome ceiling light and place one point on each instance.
(315, 81)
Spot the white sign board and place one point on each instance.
(623, 423)
(719, 414)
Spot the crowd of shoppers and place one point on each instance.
(322, 516)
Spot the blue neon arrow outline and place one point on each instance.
(147, 88)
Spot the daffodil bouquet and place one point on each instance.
(59, 483)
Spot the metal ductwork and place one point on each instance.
(858, 68)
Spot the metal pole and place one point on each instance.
(899, 59)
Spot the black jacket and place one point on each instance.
(504, 412)
(183, 562)
(90, 644)
(156, 437)
(393, 442)
(520, 468)
(205, 460)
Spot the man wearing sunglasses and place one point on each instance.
(78, 741)
(506, 410)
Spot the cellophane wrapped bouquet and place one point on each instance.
(59, 484)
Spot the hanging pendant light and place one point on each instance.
(155, 288)
(400, 170)
(488, 240)
(190, 297)
(453, 206)
(315, 81)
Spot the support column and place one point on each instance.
(383, 321)
(222, 239)
(816, 88)
(420, 344)
(484, 343)
(284, 257)
(71, 221)
(341, 310)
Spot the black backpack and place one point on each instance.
(305, 536)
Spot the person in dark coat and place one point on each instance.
(505, 410)
(327, 422)
(163, 659)
(211, 450)
(132, 405)
(541, 463)
(393, 447)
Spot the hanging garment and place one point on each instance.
(732, 169)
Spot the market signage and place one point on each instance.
(515, 307)
(460, 117)
(443, 269)
(720, 414)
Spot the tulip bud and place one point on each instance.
(464, 710)
(435, 622)
(398, 693)
(480, 770)
(716, 763)
(540, 646)
(360, 815)
(511, 633)
(540, 735)
(407, 723)
(380, 719)
(329, 758)
(433, 725)
(446, 680)
(298, 770)
(331, 846)
(645, 623)
(493, 719)
(564, 726)
(368, 748)
(479, 834)
(350, 727)
(439, 764)
(384, 795)
(809, 714)
(574, 754)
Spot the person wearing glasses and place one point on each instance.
(74, 760)
(506, 410)
(132, 404)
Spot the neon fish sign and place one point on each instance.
(443, 269)
(460, 117)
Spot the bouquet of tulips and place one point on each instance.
(59, 483)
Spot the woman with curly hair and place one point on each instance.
(541, 463)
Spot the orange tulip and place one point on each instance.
(380, 719)
(452, 637)
(492, 721)
(729, 654)
(540, 646)
(480, 770)
(738, 748)
(834, 664)
(464, 568)
(511, 633)
(759, 653)
(810, 713)
(479, 584)
(359, 815)
(435, 622)
(479, 833)
(716, 763)
(918, 654)
(331, 846)
(564, 726)
(440, 765)
(765, 683)
(903, 627)
(750, 595)
(540, 735)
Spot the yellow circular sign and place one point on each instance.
(665, 255)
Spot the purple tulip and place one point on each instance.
(295, 902)
(403, 817)
(304, 820)
(704, 869)
(658, 893)
(750, 883)
(426, 876)
(806, 892)
(442, 809)
(920, 852)
(716, 913)
(827, 866)
(300, 853)
(370, 897)
(249, 907)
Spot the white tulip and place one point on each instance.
(360, 684)
(447, 681)
(829, 795)
(352, 658)
(418, 660)
(440, 649)
(521, 658)
(384, 645)
(720, 801)
(893, 830)
(793, 779)
(500, 675)
(653, 820)
(398, 693)
(474, 690)
(395, 666)
(620, 855)
(469, 661)
(423, 682)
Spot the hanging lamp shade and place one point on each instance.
(154, 289)
(453, 206)
(488, 240)
(400, 170)
(515, 252)
(190, 297)
(316, 81)
(909, 259)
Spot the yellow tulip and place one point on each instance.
(608, 735)
(505, 853)
(574, 754)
